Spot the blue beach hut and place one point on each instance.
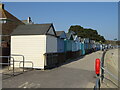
(68, 42)
(60, 41)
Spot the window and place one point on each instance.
(3, 20)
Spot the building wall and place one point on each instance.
(83, 48)
(63, 35)
(73, 46)
(68, 45)
(51, 44)
(79, 45)
(60, 45)
(32, 47)
(86, 45)
(76, 43)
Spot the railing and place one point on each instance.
(103, 70)
(9, 60)
(23, 59)
(97, 84)
(110, 74)
(26, 62)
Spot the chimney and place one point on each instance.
(1, 6)
(29, 20)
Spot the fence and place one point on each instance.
(56, 59)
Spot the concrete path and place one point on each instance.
(75, 74)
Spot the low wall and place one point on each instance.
(56, 59)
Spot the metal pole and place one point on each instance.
(13, 66)
(23, 59)
(23, 63)
(110, 74)
(102, 65)
(8, 63)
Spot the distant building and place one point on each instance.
(8, 23)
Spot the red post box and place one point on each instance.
(97, 66)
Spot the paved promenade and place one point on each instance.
(73, 74)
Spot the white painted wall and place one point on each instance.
(32, 47)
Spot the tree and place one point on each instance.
(86, 33)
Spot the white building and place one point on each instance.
(33, 41)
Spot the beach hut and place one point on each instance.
(75, 44)
(68, 42)
(79, 43)
(33, 41)
(68, 45)
(92, 45)
(60, 41)
(83, 46)
(61, 56)
(87, 44)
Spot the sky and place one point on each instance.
(100, 16)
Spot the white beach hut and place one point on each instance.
(33, 41)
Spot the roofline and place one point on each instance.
(64, 33)
(18, 20)
(3, 18)
(30, 35)
(70, 36)
(53, 30)
(60, 31)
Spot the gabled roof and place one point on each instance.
(72, 32)
(76, 38)
(61, 34)
(33, 29)
(69, 36)
(6, 15)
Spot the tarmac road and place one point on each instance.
(75, 74)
